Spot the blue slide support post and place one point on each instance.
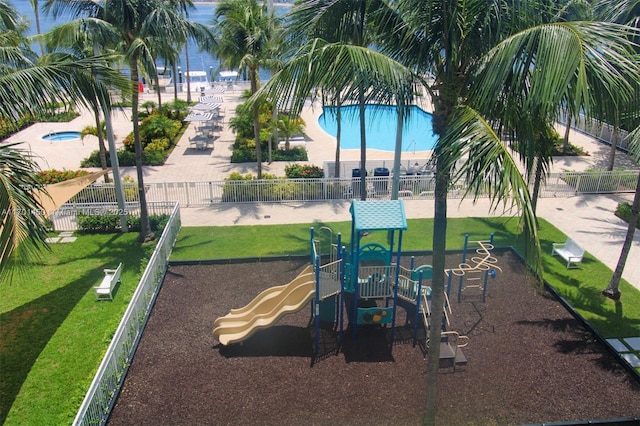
(342, 287)
(395, 287)
(487, 272)
(312, 251)
(417, 313)
(317, 304)
(464, 259)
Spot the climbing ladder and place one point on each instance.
(425, 311)
(474, 273)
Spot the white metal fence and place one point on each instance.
(66, 217)
(197, 194)
(600, 130)
(106, 384)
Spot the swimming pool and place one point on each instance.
(381, 121)
(61, 136)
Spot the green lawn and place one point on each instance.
(53, 333)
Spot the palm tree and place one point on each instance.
(289, 126)
(132, 27)
(481, 62)
(248, 36)
(29, 86)
(36, 14)
(23, 231)
(340, 21)
(81, 45)
(99, 132)
(479, 58)
(612, 291)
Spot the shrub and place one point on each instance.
(296, 153)
(623, 211)
(241, 188)
(127, 158)
(107, 194)
(572, 150)
(110, 223)
(305, 171)
(597, 180)
(244, 147)
(159, 144)
(47, 177)
(153, 128)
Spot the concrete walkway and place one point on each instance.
(587, 219)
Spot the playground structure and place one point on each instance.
(475, 273)
(366, 282)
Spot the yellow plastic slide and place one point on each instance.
(266, 309)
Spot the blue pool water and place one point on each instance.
(61, 136)
(381, 121)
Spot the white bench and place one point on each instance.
(111, 278)
(569, 251)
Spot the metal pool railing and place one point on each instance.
(418, 187)
(107, 382)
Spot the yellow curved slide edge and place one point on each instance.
(295, 296)
(266, 294)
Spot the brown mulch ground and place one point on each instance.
(529, 361)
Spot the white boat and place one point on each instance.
(228, 75)
(198, 81)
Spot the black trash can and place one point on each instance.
(355, 183)
(381, 185)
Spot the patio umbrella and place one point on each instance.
(206, 106)
(211, 98)
(57, 194)
(200, 116)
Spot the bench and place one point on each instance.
(569, 251)
(111, 278)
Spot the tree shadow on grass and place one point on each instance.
(26, 331)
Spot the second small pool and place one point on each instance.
(62, 136)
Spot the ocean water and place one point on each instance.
(202, 13)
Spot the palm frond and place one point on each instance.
(540, 65)
(22, 224)
(475, 153)
(324, 66)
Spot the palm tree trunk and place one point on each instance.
(101, 146)
(612, 291)
(175, 83)
(145, 227)
(565, 140)
(614, 144)
(438, 288)
(253, 76)
(537, 182)
(36, 13)
(186, 56)
(159, 95)
(336, 171)
(363, 147)
(397, 154)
